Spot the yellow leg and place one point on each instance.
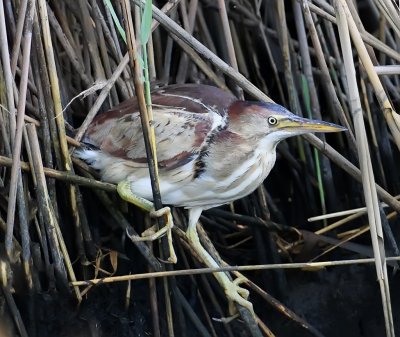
(233, 291)
(125, 192)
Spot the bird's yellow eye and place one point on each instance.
(272, 120)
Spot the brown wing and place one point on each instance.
(184, 119)
(192, 97)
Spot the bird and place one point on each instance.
(212, 149)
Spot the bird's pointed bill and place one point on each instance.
(304, 125)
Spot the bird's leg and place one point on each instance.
(233, 291)
(125, 192)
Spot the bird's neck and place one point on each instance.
(232, 149)
(236, 165)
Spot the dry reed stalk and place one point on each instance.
(172, 27)
(368, 179)
(392, 118)
(188, 23)
(186, 272)
(327, 78)
(17, 188)
(59, 250)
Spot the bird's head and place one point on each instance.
(272, 122)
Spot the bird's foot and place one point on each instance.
(239, 295)
(151, 234)
(167, 229)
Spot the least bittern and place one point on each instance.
(212, 149)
